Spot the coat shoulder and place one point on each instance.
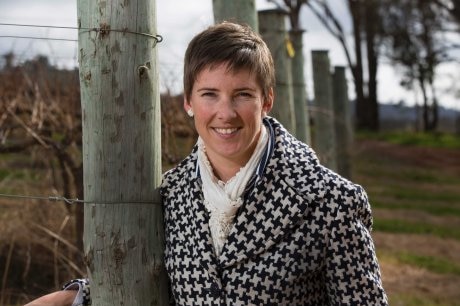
(351, 198)
(298, 165)
(173, 178)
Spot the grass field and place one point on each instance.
(414, 187)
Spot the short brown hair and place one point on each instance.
(236, 45)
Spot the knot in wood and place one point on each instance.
(104, 30)
(118, 255)
(143, 70)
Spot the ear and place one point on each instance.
(268, 102)
(187, 104)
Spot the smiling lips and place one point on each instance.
(226, 131)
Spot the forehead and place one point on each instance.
(219, 72)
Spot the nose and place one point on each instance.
(226, 109)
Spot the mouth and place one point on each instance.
(226, 131)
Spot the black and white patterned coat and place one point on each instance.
(302, 236)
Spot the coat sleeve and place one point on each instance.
(353, 273)
(83, 297)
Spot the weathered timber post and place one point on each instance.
(240, 11)
(272, 28)
(343, 125)
(323, 113)
(302, 118)
(123, 236)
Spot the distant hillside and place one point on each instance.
(402, 117)
(395, 116)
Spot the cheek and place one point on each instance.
(202, 112)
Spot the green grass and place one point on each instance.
(380, 167)
(431, 208)
(20, 174)
(3, 174)
(433, 140)
(412, 300)
(394, 184)
(420, 195)
(434, 264)
(415, 193)
(430, 263)
(403, 193)
(409, 227)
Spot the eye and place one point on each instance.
(209, 94)
(244, 94)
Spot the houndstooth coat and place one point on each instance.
(302, 236)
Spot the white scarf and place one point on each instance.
(222, 200)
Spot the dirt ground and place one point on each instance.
(405, 279)
(408, 284)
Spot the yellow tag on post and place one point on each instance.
(290, 48)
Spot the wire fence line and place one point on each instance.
(39, 38)
(156, 200)
(103, 30)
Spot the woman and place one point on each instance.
(251, 216)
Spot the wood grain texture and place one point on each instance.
(121, 152)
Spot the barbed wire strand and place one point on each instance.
(37, 26)
(158, 38)
(73, 201)
(42, 38)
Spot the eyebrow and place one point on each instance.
(215, 89)
(206, 89)
(246, 88)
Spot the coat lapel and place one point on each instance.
(199, 234)
(278, 201)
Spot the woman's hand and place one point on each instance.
(58, 298)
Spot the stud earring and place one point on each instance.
(190, 113)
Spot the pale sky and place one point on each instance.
(178, 26)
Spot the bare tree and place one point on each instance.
(414, 39)
(366, 41)
(452, 7)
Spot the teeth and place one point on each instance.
(226, 131)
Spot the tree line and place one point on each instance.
(415, 35)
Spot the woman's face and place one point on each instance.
(228, 108)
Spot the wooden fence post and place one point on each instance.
(302, 118)
(343, 125)
(272, 27)
(240, 11)
(123, 239)
(323, 112)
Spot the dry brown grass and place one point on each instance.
(40, 145)
(40, 254)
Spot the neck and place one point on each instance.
(224, 170)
